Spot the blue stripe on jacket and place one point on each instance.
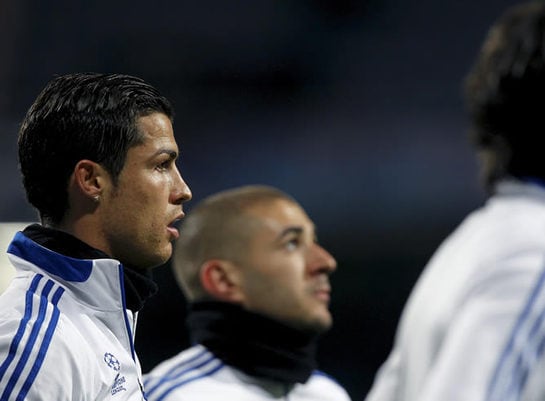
(22, 325)
(203, 364)
(513, 367)
(36, 325)
(204, 373)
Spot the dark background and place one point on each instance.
(354, 107)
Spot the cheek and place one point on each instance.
(283, 278)
(148, 201)
(260, 289)
(135, 212)
(286, 287)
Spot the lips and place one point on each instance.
(323, 294)
(172, 229)
(174, 233)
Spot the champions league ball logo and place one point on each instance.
(112, 361)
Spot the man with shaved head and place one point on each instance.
(258, 286)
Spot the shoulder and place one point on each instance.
(325, 387)
(194, 359)
(511, 219)
(189, 370)
(501, 240)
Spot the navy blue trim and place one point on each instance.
(67, 268)
(45, 345)
(170, 372)
(509, 351)
(22, 325)
(174, 372)
(125, 317)
(521, 366)
(172, 377)
(191, 379)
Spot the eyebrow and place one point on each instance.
(290, 230)
(297, 230)
(172, 153)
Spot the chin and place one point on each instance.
(325, 326)
(161, 260)
(319, 325)
(163, 255)
(154, 261)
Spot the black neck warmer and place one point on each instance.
(139, 286)
(253, 343)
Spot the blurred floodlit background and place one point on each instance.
(352, 106)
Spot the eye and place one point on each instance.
(292, 244)
(164, 165)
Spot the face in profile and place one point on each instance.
(139, 211)
(285, 275)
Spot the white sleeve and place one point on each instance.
(494, 339)
(386, 384)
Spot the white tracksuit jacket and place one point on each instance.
(64, 331)
(197, 375)
(474, 326)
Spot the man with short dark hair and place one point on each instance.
(98, 158)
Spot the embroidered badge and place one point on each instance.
(112, 361)
(119, 381)
(118, 384)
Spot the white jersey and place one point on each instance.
(197, 375)
(64, 332)
(474, 326)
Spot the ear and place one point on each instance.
(221, 280)
(89, 178)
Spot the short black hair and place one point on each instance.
(81, 116)
(505, 93)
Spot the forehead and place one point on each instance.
(155, 126)
(276, 215)
(156, 137)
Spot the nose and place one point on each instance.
(180, 192)
(321, 261)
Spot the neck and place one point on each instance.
(253, 343)
(86, 229)
(139, 285)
